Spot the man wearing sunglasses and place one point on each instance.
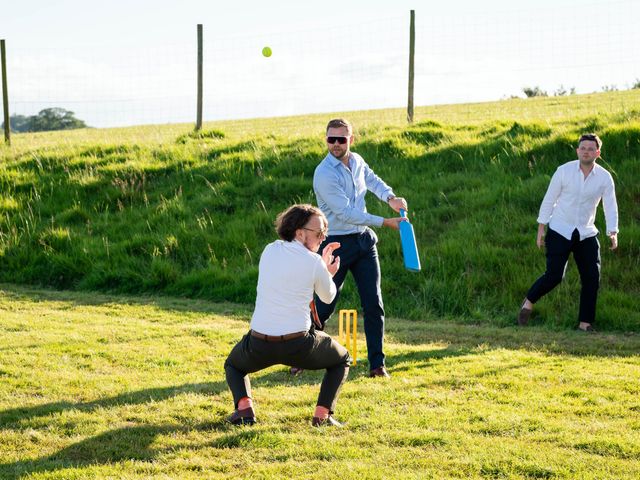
(341, 182)
(569, 210)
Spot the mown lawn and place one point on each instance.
(97, 386)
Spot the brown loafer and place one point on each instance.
(242, 417)
(325, 422)
(523, 316)
(379, 372)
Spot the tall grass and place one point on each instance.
(162, 210)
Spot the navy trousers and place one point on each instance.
(359, 255)
(586, 253)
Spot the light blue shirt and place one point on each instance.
(340, 192)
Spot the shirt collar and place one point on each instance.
(335, 162)
(298, 244)
(593, 170)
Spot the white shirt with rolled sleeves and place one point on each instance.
(571, 201)
(289, 274)
(341, 194)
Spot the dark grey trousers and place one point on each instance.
(314, 351)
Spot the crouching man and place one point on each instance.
(290, 272)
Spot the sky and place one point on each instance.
(133, 62)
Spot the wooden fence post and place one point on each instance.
(412, 48)
(199, 108)
(5, 94)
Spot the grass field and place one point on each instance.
(159, 210)
(95, 386)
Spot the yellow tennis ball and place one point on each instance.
(266, 51)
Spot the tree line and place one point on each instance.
(46, 120)
(562, 91)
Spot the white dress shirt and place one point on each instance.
(289, 274)
(571, 201)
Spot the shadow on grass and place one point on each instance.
(281, 376)
(13, 417)
(423, 358)
(460, 339)
(128, 443)
(84, 298)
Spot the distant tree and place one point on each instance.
(48, 119)
(609, 88)
(636, 84)
(560, 92)
(55, 119)
(534, 92)
(18, 123)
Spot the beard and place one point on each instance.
(339, 152)
(309, 244)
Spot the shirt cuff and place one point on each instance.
(377, 221)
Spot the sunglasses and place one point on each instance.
(340, 140)
(319, 233)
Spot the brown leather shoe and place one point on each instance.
(242, 417)
(523, 316)
(379, 372)
(325, 422)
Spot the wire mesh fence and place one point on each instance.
(463, 57)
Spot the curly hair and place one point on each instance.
(294, 218)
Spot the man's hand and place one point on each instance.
(332, 263)
(540, 238)
(614, 241)
(393, 222)
(397, 203)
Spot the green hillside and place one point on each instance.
(156, 209)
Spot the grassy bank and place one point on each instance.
(159, 210)
(97, 386)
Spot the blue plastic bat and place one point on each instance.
(409, 247)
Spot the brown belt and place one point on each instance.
(277, 338)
